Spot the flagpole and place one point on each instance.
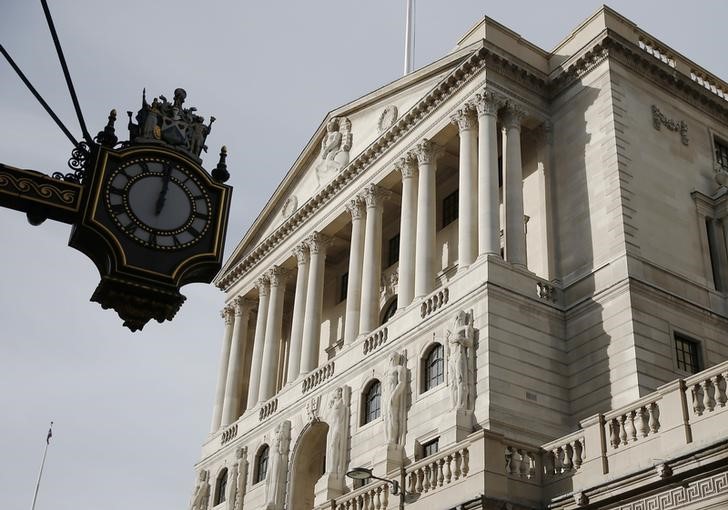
(42, 463)
(409, 38)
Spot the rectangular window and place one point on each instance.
(721, 154)
(393, 253)
(686, 351)
(450, 208)
(430, 447)
(343, 285)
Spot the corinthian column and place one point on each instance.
(353, 287)
(515, 232)
(228, 313)
(258, 343)
(273, 329)
(317, 244)
(427, 153)
(407, 166)
(468, 183)
(487, 104)
(299, 309)
(234, 383)
(374, 197)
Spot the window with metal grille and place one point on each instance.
(372, 401)
(261, 464)
(434, 367)
(430, 447)
(686, 350)
(343, 286)
(450, 208)
(721, 154)
(393, 253)
(221, 486)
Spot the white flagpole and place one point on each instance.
(409, 42)
(42, 463)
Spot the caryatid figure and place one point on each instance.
(201, 497)
(460, 335)
(276, 476)
(395, 407)
(337, 418)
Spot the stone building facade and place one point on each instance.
(500, 280)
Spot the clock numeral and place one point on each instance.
(193, 231)
(198, 197)
(201, 216)
(115, 191)
(176, 241)
(118, 209)
(130, 228)
(144, 166)
(152, 238)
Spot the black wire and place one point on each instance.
(38, 97)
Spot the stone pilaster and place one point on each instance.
(317, 245)
(355, 207)
(515, 233)
(256, 363)
(427, 153)
(273, 330)
(466, 121)
(233, 385)
(407, 166)
(228, 314)
(299, 310)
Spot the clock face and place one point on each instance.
(158, 203)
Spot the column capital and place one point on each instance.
(318, 242)
(227, 313)
(355, 207)
(277, 276)
(513, 116)
(242, 305)
(263, 285)
(375, 195)
(407, 166)
(465, 118)
(301, 253)
(427, 151)
(487, 102)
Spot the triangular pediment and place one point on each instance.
(343, 134)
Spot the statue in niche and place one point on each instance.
(276, 477)
(395, 402)
(238, 475)
(461, 361)
(335, 147)
(201, 497)
(338, 419)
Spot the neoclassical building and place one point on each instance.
(501, 281)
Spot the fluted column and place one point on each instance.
(374, 197)
(299, 309)
(317, 245)
(273, 329)
(407, 166)
(515, 234)
(466, 120)
(228, 313)
(258, 343)
(233, 385)
(487, 105)
(427, 153)
(355, 207)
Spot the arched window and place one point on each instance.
(261, 464)
(221, 487)
(390, 310)
(372, 402)
(434, 367)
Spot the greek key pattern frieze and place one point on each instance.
(695, 491)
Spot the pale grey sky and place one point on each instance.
(131, 410)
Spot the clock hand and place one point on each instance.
(163, 192)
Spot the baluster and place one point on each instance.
(420, 474)
(641, 422)
(623, 429)
(448, 471)
(412, 481)
(560, 459)
(613, 433)
(385, 497)
(523, 468)
(708, 402)
(531, 466)
(722, 390)
(433, 472)
(567, 462)
(509, 460)
(630, 428)
(548, 464)
(466, 461)
(697, 400)
(440, 477)
(458, 459)
(578, 453)
(654, 410)
(715, 383)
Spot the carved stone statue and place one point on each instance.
(201, 497)
(278, 467)
(395, 403)
(335, 147)
(461, 361)
(238, 475)
(338, 420)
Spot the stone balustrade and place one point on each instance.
(229, 434)
(564, 456)
(268, 409)
(375, 339)
(708, 390)
(317, 377)
(437, 470)
(434, 302)
(373, 496)
(521, 461)
(631, 425)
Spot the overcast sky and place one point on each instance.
(132, 410)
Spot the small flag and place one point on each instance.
(50, 434)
